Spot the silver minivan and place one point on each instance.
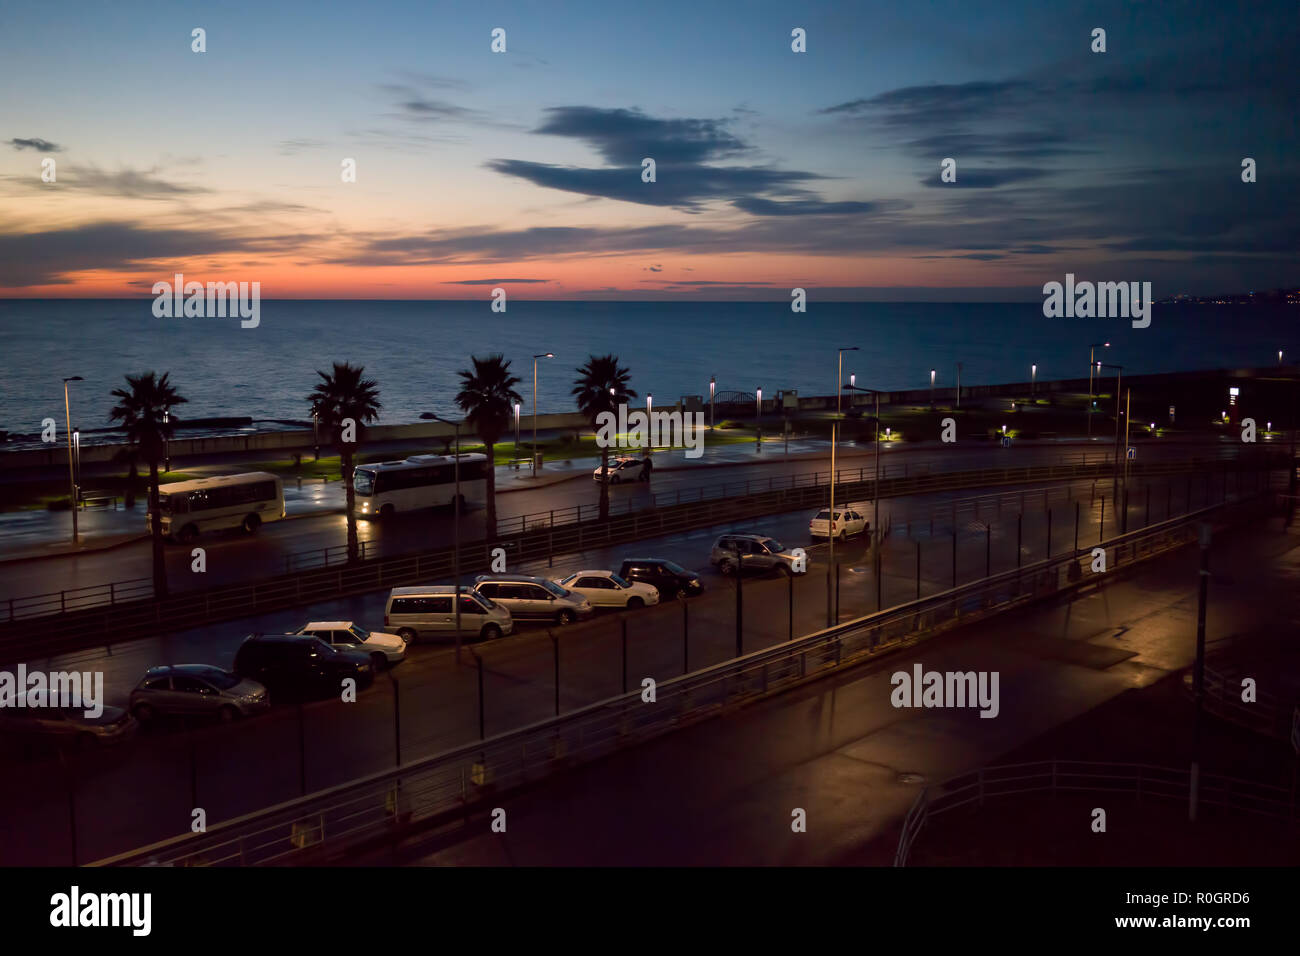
(533, 598)
(429, 612)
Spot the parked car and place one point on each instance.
(752, 552)
(196, 689)
(669, 578)
(428, 611)
(532, 598)
(849, 520)
(607, 589)
(39, 726)
(293, 666)
(384, 649)
(627, 468)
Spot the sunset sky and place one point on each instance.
(523, 169)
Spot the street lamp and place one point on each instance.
(853, 381)
(713, 389)
(758, 421)
(932, 388)
(455, 506)
(533, 456)
(167, 458)
(72, 475)
(839, 377)
(649, 401)
(517, 404)
(1119, 388)
(1279, 356)
(1092, 359)
(1033, 379)
(315, 432)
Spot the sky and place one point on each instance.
(523, 169)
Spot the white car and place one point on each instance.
(384, 649)
(626, 469)
(849, 520)
(607, 589)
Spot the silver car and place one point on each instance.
(32, 726)
(197, 690)
(531, 598)
(753, 552)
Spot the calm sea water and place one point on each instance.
(414, 349)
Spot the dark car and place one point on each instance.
(294, 666)
(33, 728)
(672, 580)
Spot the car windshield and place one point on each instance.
(773, 545)
(483, 599)
(619, 581)
(363, 481)
(569, 579)
(555, 589)
(823, 516)
(321, 647)
(220, 679)
(675, 568)
(360, 633)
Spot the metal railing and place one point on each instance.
(1269, 714)
(1084, 776)
(94, 626)
(439, 788)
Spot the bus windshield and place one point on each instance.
(363, 482)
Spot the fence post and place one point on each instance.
(1101, 524)
(1049, 532)
(954, 554)
(686, 638)
(1076, 527)
(918, 569)
(111, 600)
(623, 634)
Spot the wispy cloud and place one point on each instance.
(36, 143)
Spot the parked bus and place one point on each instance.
(421, 481)
(212, 504)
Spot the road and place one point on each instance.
(722, 792)
(232, 557)
(145, 791)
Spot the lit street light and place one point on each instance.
(517, 404)
(1092, 359)
(758, 420)
(1119, 388)
(713, 388)
(72, 475)
(931, 389)
(1033, 379)
(532, 457)
(875, 504)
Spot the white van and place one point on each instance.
(428, 612)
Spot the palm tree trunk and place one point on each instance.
(491, 490)
(604, 483)
(346, 455)
(155, 528)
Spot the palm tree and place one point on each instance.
(340, 400)
(487, 395)
(142, 409)
(601, 386)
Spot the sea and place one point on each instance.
(414, 349)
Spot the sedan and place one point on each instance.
(607, 589)
(33, 726)
(625, 469)
(849, 520)
(197, 690)
(384, 649)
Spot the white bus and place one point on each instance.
(212, 504)
(421, 481)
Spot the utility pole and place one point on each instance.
(1198, 678)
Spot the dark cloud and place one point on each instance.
(767, 207)
(968, 178)
(36, 143)
(494, 281)
(624, 137)
(124, 183)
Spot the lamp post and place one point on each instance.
(455, 507)
(649, 403)
(835, 425)
(758, 420)
(72, 475)
(517, 433)
(315, 433)
(167, 458)
(1092, 358)
(839, 377)
(1033, 379)
(713, 390)
(532, 457)
(1119, 388)
(931, 389)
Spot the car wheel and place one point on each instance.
(188, 534)
(143, 713)
(251, 524)
(614, 479)
(228, 713)
(406, 634)
(490, 632)
(635, 602)
(565, 618)
(379, 661)
(387, 511)
(680, 595)
(725, 567)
